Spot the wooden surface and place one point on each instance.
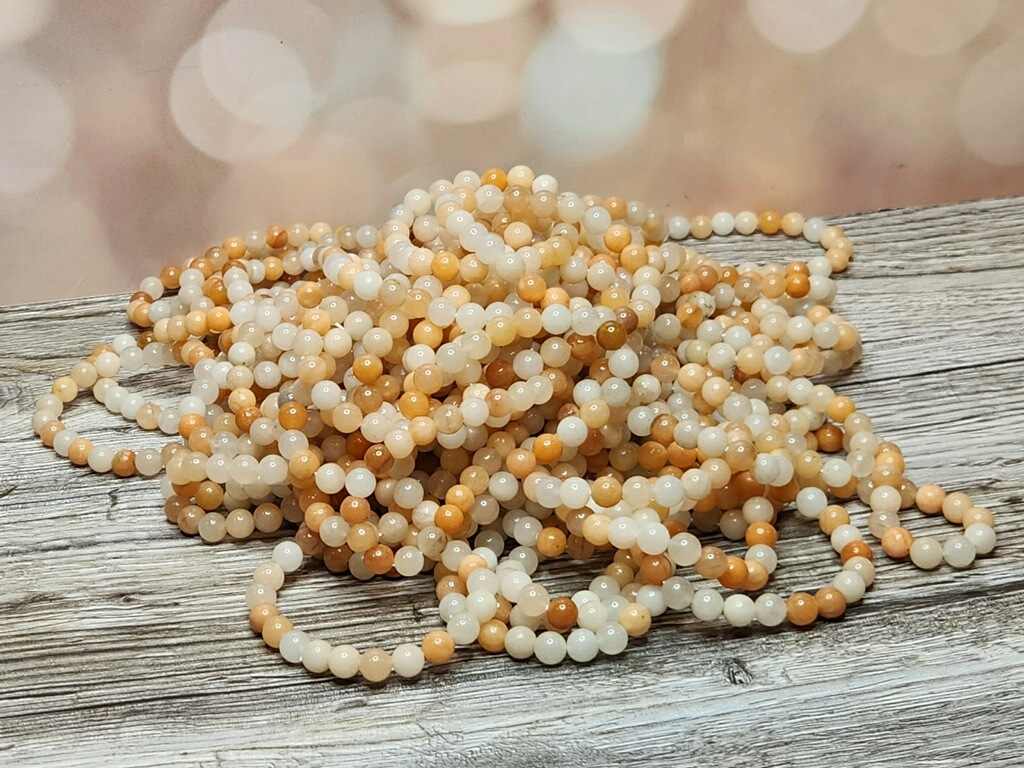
(123, 642)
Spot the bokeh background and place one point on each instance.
(135, 133)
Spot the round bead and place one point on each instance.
(958, 551)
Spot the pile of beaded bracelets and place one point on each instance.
(503, 374)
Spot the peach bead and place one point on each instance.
(274, 629)
(438, 647)
(830, 603)
(896, 542)
(801, 609)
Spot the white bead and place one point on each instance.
(482, 605)
(746, 222)
(409, 561)
(344, 661)
(463, 628)
(678, 227)
(316, 656)
(360, 482)
(850, 584)
(862, 567)
(770, 609)
(519, 642)
(107, 364)
(885, 498)
(958, 551)
(843, 535)
(722, 223)
(707, 604)
(592, 615)
(763, 554)
(684, 549)
(982, 536)
(677, 592)
(549, 648)
(407, 660)
(63, 440)
(926, 553)
(811, 502)
(612, 638)
(292, 645)
(652, 538)
(582, 645)
(288, 555)
(330, 478)
(451, 604)
(651, 598)
(101, 459)
(604, 587)
(813, 228)
(738, 610)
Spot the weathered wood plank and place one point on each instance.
(122, 638)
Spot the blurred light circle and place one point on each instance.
(367, 46)
(298, 26)
(255, 77)
(617, 27)
(211, 128)
(464, 92)
(804, 26)
(581, 103)
(22, 19)
(463, 12)
(991, 106)
(36, 136)
(932, 27)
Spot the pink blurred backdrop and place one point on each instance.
(136, 133)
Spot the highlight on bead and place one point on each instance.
(505, 373)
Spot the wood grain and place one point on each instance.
(122, 641)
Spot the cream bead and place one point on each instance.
(738, 610)
(926, 553)
(958, 551)
(519, 642)
(770, 609)
(707, 604)
(343, 661)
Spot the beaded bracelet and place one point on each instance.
(503, 374)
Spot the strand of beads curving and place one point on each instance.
(503, 374)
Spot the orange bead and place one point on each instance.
(735, 574)
(761, 533)
(830, 603)
(547, 448)
(801, 609)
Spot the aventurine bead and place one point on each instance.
(926, 553)
(292, 645)
(738, 610)
(407, 660)
(707, 604)
(519, 642)
(288, 555)
(982, 536)
(316, 656)
(375, 665)
(582, 645)
(770, 609)
(958, 551)
(549, 648)
(344, 661)
(850, 584)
